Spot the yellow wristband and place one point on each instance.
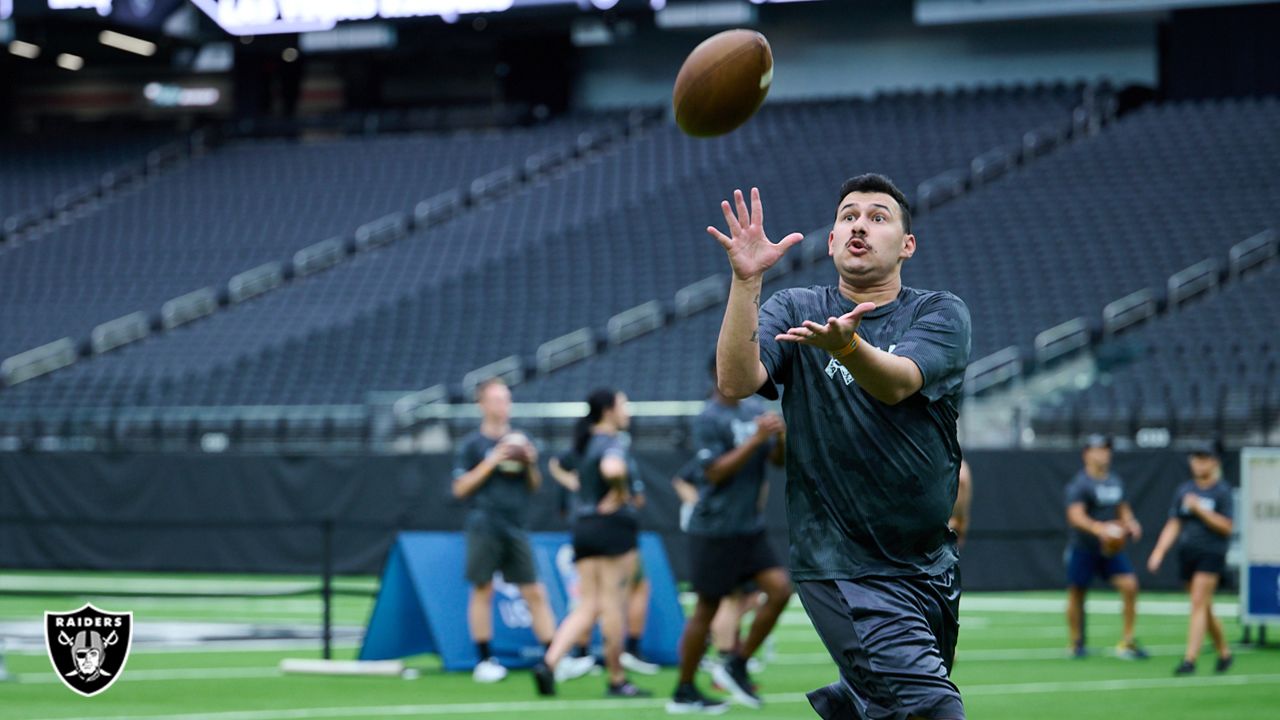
(846, 352)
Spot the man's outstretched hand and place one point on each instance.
(834, 336)
(750, 252)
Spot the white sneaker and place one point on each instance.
(572, 668)
(636, 665)
(755, 665)
(488, 671)
(708, 664)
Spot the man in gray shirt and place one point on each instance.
(496, 470)
(872, 372)
(1100, 522)
(727, 541)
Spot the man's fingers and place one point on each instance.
(729, 217)
(744, 218)
(814, 327)
(858, 312)
(757, 209)
(725, 241)
(790, 240)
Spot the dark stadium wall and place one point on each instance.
(263, 513)
(1220, 53)
(823, 50)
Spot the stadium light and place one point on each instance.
(67, 61)
(24, 49)
(102, 7)
(128, 43)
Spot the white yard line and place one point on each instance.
(601, 706)
(995, 655)
(308, 645)
(782, 659)
(86, 585)
(169, 674)
(1101, 607)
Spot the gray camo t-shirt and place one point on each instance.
(870, 486)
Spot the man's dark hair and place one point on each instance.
(877, 183)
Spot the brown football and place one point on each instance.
(722, 83)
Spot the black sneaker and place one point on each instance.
(626, 689)
(1186, 667)
(733, 677)
(1224, 663)
(687, 700)
(544, 679)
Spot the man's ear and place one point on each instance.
(908, 246)
(831, 238)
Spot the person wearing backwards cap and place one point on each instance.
(1100, 522)
(1200, 523)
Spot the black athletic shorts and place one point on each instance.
(604, 536)
(722, 564)
(893, 641)
(1192, 561)
(493, 547)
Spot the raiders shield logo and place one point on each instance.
(88, 647)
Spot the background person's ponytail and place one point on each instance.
(597, 402)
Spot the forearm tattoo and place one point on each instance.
(755, 334)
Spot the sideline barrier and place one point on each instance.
(422, 604)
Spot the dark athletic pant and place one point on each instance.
(893, 640)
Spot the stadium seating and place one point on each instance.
(38, 173)
(1210, 369)
(249, 203)
(615, 231)
(1059, 238)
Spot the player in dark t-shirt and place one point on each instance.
(1100, 521)
(605, 534)
(496, 470)
(1200, 522)
(872, 372)
(727, 541)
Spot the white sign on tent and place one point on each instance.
(1260, 534)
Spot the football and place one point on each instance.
(1113, 538)
(722, 83)
(525, 446)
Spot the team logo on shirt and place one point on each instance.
(742, 431)
(836, 366)
(1109, 495)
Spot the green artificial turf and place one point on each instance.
(1011, 664)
